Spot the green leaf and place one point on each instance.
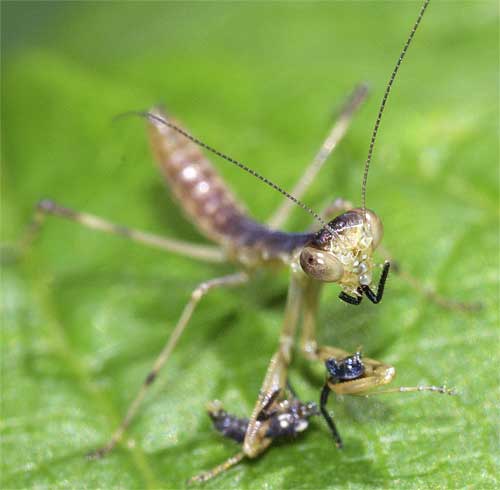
(84, 314)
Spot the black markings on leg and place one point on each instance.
(352, 300)
(377, 298)
(228, 281)
(150, 378)
(325, 392)
(96, 454)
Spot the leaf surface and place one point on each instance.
(84, 315)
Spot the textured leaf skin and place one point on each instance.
(85, 314)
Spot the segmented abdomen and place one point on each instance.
(210, 205)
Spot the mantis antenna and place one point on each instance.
(384, 100)
(298, 202)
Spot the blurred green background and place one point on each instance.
(84, 315)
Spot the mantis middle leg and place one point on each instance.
(200, 291)
(47, 208)
(376, 373)
(336, 133)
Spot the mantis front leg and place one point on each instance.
(276, 376)
(348, 374)
(376, 373)
(257, 438)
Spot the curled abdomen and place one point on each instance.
(210, 204)
(207, 202)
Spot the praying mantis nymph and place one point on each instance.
(341, 252)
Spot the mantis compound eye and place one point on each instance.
(321, 265)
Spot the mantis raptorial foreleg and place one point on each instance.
(276, 376)
(340, 205)
(283, 417)
(256, 438)
(348, 374)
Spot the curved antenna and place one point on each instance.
(298, 202)
(384, 100)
